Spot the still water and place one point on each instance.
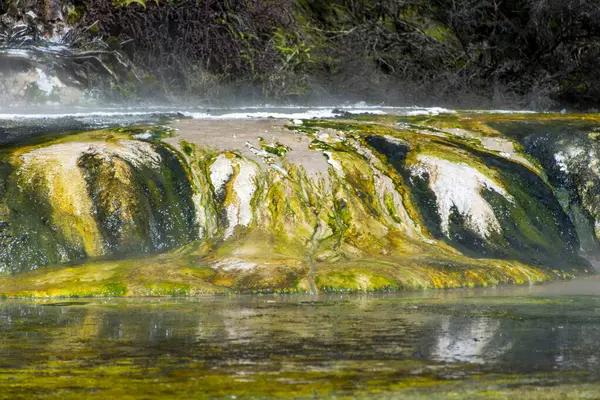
(536, 341)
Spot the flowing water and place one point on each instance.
(539, 341)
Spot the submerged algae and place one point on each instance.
(428, 345)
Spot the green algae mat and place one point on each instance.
(537, 342)
(355, 203)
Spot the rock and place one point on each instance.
(398, 209)
(8, 20)
(31, 15)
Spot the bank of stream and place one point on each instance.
(192, 202)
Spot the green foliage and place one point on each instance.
(75, 14)
(294, 51)
(485, 53)
(440, 33)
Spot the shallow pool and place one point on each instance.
(537, 341)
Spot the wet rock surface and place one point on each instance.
(370, 202)
(570, 154)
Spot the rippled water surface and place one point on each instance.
(540, 342)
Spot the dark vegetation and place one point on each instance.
(534, 53)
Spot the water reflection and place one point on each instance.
(371, 335)
(468, 340)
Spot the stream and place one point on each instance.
(541, 341)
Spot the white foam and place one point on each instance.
(296, 116)
(292, 113)
(143, 136)
(73, 115)
(415, 111)
(561, 161)
(565, 157)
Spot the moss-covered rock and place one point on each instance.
(78, 198)
(423, 202)
(569, 152)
